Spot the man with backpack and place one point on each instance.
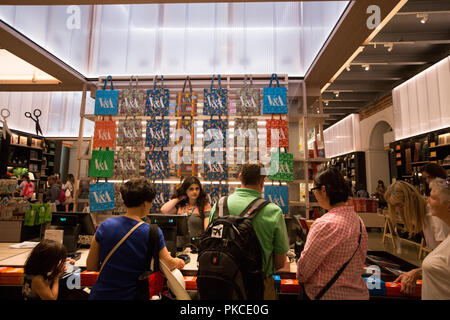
(245, 243)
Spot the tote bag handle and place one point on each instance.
(106, 82)
(187, 80)
(219, 80)
(274, 76)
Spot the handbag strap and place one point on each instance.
(118, 245)
(337, 275)
(274, 76)
(152, 255)
(106, 82)
(155, 82)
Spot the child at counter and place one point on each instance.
(43, 268)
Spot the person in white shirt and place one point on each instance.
(436, 266)
(68, 188)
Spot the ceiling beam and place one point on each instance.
(348, 96)
(412, 38)
(24, 48)
(393, 59)
(371, 75)
(340, 46)
(413, 7)
(367, 86)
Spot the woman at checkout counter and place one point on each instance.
(190, 199)
(406, 202)
(118, 276)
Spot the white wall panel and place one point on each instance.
(342, 137)
(422, 104)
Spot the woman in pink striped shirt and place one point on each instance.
(334, 239)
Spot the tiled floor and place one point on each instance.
(405, 251)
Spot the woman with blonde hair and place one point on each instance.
(406, 202)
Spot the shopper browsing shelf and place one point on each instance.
(43, 268)
(379, 194)
(119, 274)
(68, 188)
(336, 241)
(406, 203)
(190, 199)
(436, 266)
(26, 187)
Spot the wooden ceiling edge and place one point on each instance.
(340, 47)
(40, 87)
(22, 47)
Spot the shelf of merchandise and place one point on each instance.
(175, 85)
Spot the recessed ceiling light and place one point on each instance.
(366, 67)
(336, 93)
(389, 46)
(423, 17)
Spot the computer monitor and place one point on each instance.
(73, 224)
(174, 228)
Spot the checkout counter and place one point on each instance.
(12, 261)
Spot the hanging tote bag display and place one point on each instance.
(278, 195)
(282, 167)
(215, 100)
(247, 129)
(132, 100)
(186, 101)
(275, 98)
(101, 197)
(282, 126)
(215, 171)
(157, 164)
(106, 101)
(215, 192)
(162, 196)
(102, 164)
(218, 131)
(126, 164)
(104, 134)
(186, 169)
(130, 133)
(158, 133)
(249, 99)
(157, 102)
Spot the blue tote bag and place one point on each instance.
(106, 101)
(278, 195)
(215, 100)
(101, 197)
(275, 98)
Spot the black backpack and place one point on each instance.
(230, 256)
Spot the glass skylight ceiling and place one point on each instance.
(179, 39)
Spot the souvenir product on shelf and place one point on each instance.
(101, 197)
(104, 134)
(126, 164)
(215, 100)
(157, 164)
(215, 192)
(106, 101)
(249, 100)
(157, 102)
(158, 133)
(102, 164)
(278, 195)
(162, 196)
(132, 100)
(274, 125)
(130, 133)
(186, 101)
(274, 98)
(281, 166)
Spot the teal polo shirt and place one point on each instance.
(269, 224)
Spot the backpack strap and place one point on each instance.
(254, 208)
(222, 207)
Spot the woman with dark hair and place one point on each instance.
(189, 199)
(430, 172)
(336, 241)
(119, 275)
(43, 268)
